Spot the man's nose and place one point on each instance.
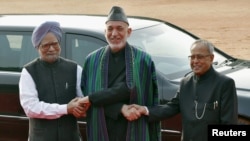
(114, 32)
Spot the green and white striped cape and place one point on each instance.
(140, 77)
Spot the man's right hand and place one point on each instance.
(141, 109)
(130, 113)
(83, 106)
(72, 105)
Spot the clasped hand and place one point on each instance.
(79, 106)
(133, 111)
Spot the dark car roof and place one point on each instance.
(83, 22)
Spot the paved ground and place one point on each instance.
(226, 23)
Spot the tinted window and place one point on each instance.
(79, 46)
(16, 50)
(168, 47)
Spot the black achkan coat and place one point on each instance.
(209, 99)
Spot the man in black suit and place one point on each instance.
(205, 97)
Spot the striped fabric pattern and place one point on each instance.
(140, 77)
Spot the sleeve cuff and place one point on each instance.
(63, 109)
(147, 112)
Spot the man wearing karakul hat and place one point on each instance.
(117, 14)
(46, 92)
(110, 117)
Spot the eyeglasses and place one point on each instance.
(198, 57)
(47, 46)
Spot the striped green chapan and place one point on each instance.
(140, 77)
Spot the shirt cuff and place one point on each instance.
(147, 112)
(63, 109)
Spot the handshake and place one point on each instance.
(79, 107)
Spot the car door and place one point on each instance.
(15, 51)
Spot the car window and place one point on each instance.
(168, 47)
(80, 46)
(15, 50)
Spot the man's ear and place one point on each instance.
(129, 31)
(212, 58)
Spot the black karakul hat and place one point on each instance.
(117, 14)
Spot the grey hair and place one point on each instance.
(204, 43)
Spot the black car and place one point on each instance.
(167, 44)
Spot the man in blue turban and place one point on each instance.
(48, 88)
(46, 35)
(40, 31)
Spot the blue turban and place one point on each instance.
(46, 27)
